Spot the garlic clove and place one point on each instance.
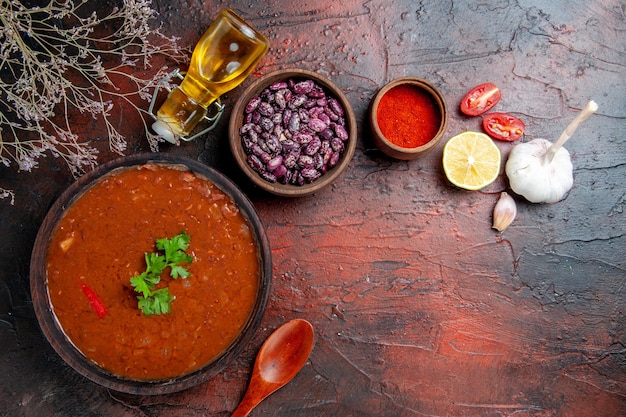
(504, 212)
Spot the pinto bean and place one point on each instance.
(291, 160)
(324, 118)
(280, 172)
(341, 132)
(274, 163)
(297, 101)
(313, 147)
(256, 163)
(253, 104)
(294, 123)
(279, 85)
(317, 92)
(266, 124)
(289, 145)
(279, 99)
(327, 134)
(337, 144)
(302, 138)
(336, 107)
(304, 115)
(268, 176)
(265, 109)
(317, 125)
(334, 159)
(306, 161)
(310, 173)
(303, 87)
(273, 144)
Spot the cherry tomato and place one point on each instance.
(503, 126)
(480, 99)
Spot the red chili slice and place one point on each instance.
(503, 126)
(94, 300)
(480, 99)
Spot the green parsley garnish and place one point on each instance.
(172, 254)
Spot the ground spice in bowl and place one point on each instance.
(402, 109)
(408, 118)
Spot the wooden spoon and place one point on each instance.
(280, 358)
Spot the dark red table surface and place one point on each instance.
(419, 307)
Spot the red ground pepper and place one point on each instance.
(94, 300)
(408, 116)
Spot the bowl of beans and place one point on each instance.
(150, 274)
(292, 132)
(408, 118)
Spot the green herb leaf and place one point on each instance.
(171, 246)
(158, 301)
(155, 263)
(179, 271)
(174, 249)
(162, 300)
(141, 285)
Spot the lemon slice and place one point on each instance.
(471, 160)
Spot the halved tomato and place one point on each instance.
(480, 99)
(503, 126)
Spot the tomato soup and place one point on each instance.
(100, 243)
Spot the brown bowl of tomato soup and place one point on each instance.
(150, 274)
(408, 118)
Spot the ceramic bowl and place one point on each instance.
(439, 104)
(52, 328)
(237, 120)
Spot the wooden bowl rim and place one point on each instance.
(286, 190)
(418, 150)
(52, 328)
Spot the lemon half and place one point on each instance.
(471, 160)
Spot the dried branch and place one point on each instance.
(65, 59)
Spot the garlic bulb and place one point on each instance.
(534, 177)
(504, 212)
(540, 171)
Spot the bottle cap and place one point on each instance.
(162, 129)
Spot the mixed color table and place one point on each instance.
(420, 308)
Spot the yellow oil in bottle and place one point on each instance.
(225, 55)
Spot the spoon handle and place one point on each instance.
(246, 405)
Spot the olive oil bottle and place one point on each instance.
(225, 55)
